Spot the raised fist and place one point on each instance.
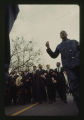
(47, 44)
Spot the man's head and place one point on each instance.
(63, 34)
(48, 66)
(34, 67)
(40, 66)
(58, 64)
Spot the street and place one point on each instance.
(45, 109)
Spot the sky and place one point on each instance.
(42, 23)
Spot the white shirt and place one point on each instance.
(58, 69)
(48, 70)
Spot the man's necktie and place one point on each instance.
(58, 69)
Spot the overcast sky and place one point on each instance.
(42, 23)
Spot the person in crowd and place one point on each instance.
(27, 81)
(13, 88)
(55, 82)
(61, 84)
(49, 83)
(19, 85)
(34, 84)
(42, 96)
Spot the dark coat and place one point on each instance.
(60, 76)
(49, 78)
(35, 86)
(27, 77)
(70, 53)
(41, 81)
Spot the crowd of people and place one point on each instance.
(40, 85)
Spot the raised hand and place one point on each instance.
(47, 44)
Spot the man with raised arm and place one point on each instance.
(70, 56)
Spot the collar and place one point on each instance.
(65, 39)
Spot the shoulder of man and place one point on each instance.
(73, 40)
(59, 46)
(51, 69)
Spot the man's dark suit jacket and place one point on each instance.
(60, 76)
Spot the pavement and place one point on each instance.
(58, 108)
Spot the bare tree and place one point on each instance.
(23, 54)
